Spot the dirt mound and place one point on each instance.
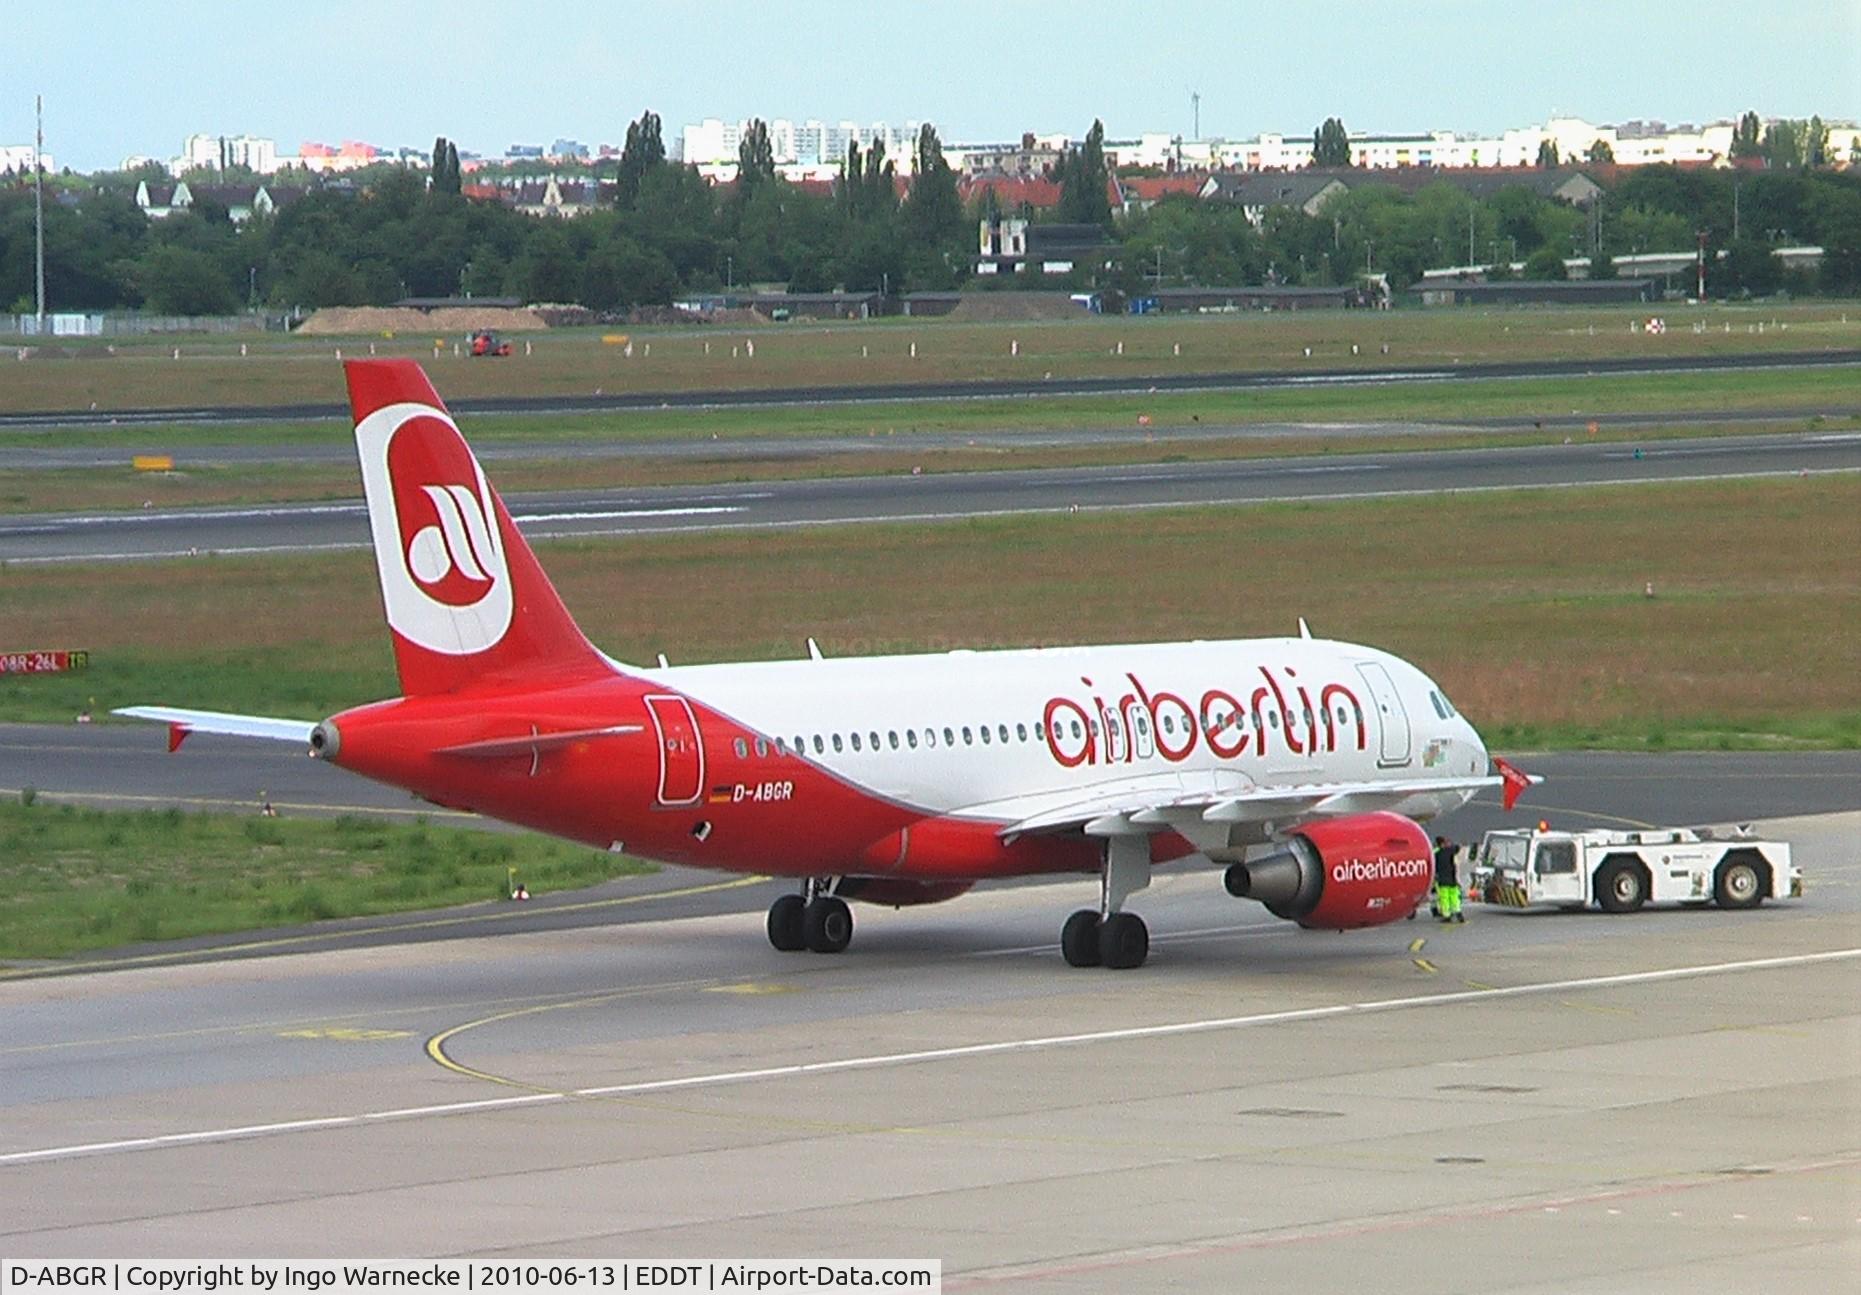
(987, 307)
(337, 321)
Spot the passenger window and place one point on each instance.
(1001, 731)
(1020, 732)
(911, 738)
(742, 749)
(949, 737)
(1076, 730)
(837, 746)
(893, 735)
(968, 739)
(1273, 718)
(855, 742)
(985, 735)
(819, 745)
(762, 749)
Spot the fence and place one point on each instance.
(71, 324)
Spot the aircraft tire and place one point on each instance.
(828, 924)
(1079, 939)
(787, 924)
(1124, 941)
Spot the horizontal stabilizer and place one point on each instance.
(182, 722)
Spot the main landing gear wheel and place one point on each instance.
(827, 924)
(787, 929)
(1108, 936)
(1079, 939)
(1124, 941)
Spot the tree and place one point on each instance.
(1816, 143)
(1600, 153)
(1751, 268)
(1084, 180)
(933, 214)
(446, 177)
(755, 157)
(1745, 137)
(1783, 145)
(1545, 263)
(1331, 144)
(1547, 154)
(645, 149)
(181, 281)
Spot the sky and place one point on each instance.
(137, 78)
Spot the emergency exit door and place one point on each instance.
(681, 752)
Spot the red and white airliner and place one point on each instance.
(1301, 763)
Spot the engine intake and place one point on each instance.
(1343, 873)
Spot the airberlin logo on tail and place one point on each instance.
(444, 578)
(452, 557)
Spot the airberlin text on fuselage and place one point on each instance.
(1095, 732)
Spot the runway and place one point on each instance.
(842, 394)
(158, 533)
(1561, 1102)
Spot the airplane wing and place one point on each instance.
(183, 722)
(1134, 810)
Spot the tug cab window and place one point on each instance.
(1555, 857)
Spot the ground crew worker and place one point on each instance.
(1447, 881)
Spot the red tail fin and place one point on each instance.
(465, 597)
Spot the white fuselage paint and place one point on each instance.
(937, 697)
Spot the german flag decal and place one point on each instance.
(720, 796)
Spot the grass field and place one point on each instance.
(86, 879)
(578, 362)
(1528, 606)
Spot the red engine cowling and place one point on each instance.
(1364, 870)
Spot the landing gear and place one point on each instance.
(1079, 939)
(812, 920)
(786, 932)
(1110, 937)
(828, 924)
(1124, 941)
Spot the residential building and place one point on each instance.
(1256, 194)
(17, 159)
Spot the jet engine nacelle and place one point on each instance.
(1341, 873)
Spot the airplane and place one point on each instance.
(1302, 764)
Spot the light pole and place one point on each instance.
(730, 273)
(38, 206)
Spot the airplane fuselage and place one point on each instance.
(921, 766)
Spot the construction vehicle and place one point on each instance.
(487, 342)
(1621, 871)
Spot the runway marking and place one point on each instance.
(430, 924)
(345, 1034)
(753, 988)
(891, 1059)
